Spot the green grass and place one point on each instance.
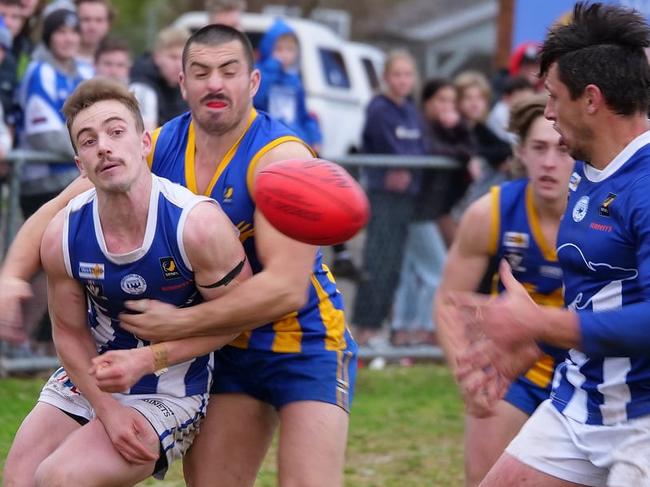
(406, 429)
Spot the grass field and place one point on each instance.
(406, 429)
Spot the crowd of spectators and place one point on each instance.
(48, 47)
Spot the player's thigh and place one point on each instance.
(87, 457)
(486, 438)
(313, 437)
(40, 433)
(232, 442)
(510, 472)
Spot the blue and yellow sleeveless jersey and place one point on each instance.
(320, 324)
(516, 235)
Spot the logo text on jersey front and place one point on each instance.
(133, 284)
(89, 270)
(516, 239)
(169, 268)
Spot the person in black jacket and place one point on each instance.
(154, 78)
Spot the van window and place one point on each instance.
(371, 74)
(336, 73)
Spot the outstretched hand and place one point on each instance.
(13, 292)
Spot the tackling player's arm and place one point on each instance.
(219, 263)
(280, 288)
(466, 264)
(23, 260)
(76, 347)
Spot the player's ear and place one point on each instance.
(593, 97)
(255, 82)
(80, 166)
(146, 143)
(181, 84)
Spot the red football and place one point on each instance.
(311, 200)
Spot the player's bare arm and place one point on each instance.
(76, 348)
(466, 264)
(219, 263)
(279, 289)
(23, 261)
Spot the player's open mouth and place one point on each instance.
(548, 179)
(216, 104)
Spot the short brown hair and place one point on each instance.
(524, 112)
(217, 6)
(110, 10)
(95, 90)
(112, 44)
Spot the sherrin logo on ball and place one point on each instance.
(311, 200)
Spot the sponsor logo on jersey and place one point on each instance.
(169, 268)
(580, 209)
(515, 260)
(88, 270)
(604, 207)
(133, 284)
(164, 409)
(574, 181)
(551, 271)
(228, 194)
(516, 239)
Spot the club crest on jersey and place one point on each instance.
(580, 209)
(88, 270)
(133, 284)
(169, 268)
(515, 260)
(604, 207)
(228, 194)
(517, 240)
(574, 181)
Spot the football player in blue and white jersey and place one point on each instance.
(134, 236)
(595, 428)
(518, 221)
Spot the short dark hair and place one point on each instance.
(217, 34)
(12, 3)
(603, 45)
(111, 44)
(95, 90)
(516, 83)
(433, 86)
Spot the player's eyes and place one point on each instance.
(87, 142)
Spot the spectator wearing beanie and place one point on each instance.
(49, 80)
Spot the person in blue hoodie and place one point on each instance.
(281, 93)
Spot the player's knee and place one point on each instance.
(51, 473)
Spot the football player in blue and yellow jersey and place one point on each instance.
(595, 427)
(295, 361)
(517, 221)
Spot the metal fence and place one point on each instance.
(354, 162)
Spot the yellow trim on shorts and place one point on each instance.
(250, 172)
(548, 252)
(154, 140)
(541, 373)
(495, 221)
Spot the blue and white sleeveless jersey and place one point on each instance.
(41, 95)
(604, 251)
(159, 269)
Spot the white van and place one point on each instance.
(339, 76)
